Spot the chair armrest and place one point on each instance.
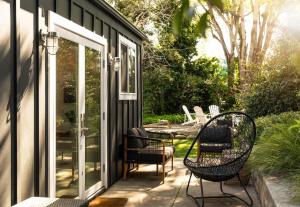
(167, 140)
(159, 144)
(161, 133)
(146, 138)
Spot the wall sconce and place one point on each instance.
(115, 62)
(50, 41)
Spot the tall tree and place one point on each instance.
(230, 21)
(172, 76)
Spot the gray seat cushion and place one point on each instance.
(154, 155)
(132, 141)
(143, 133)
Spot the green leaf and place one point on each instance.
(177, 22)
(180, 15)
(202, 25)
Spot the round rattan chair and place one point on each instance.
(222, 147)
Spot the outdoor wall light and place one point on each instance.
(50, 41)
(115, 62)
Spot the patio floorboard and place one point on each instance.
(143, 188)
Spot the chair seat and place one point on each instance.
(152, 155)
(216, 170)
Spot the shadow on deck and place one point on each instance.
(143, 188)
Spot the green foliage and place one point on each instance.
(172, 74)
(266, 122)
(172, 118)
(274, 93)
(277, 85)
(186, 12)
(201, 82)
(277, 150)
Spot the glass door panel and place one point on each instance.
(67, 119)
(92, 117)
(77, 99)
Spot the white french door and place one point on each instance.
(77, 108)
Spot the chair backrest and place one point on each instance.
(186, 111)
(214, 110)
(200, 116)
(132, 141)
(230, 136)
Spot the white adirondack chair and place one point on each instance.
(188, 115)
(200, 116)
(214, 110)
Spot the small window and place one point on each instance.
(127, 73)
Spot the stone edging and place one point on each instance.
(271, 191)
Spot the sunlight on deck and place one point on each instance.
(143, 188)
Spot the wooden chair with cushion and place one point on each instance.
(139, 148)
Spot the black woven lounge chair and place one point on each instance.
(223, 145)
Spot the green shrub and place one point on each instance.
(277, 150)
(274, 92)
(172, 118)
(265, 122)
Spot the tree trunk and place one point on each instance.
(243, 75)
(231, 69)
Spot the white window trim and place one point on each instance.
(129, 44)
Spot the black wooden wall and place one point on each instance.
(23, 87)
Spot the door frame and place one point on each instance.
(56, 22)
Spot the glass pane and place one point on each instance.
(92, 117)
(131, 70)
(124, 72)
(67, 119)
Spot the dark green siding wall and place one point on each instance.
(24, 100)
(6, 63)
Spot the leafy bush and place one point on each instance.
(265, 122)
(172, 118)
(201, 82)
(274, 93)
(277, 150)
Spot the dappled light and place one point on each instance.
(143, 188)
(150, 102)
(238, 55)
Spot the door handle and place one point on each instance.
(82, 127)
(83, 130)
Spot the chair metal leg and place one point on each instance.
(228, 195)
(195, 198)
(188, 185)
(202, 196)
(242, 184)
